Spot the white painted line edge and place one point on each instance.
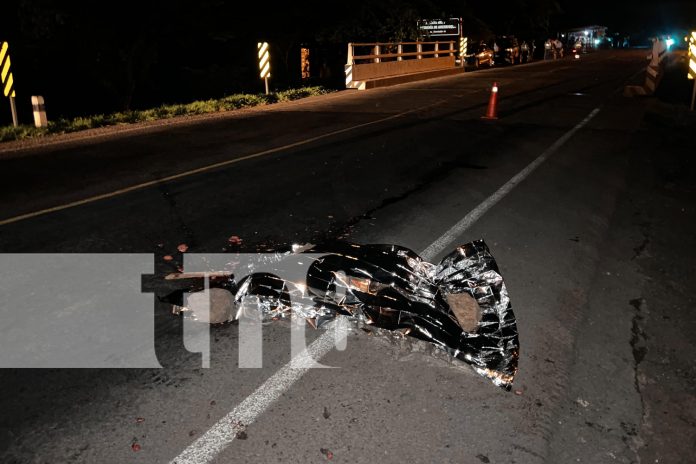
(220, 435)
(467, 221)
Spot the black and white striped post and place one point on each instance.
(39, 107)
(264, 63)
(8, 79)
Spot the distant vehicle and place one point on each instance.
(507, 50)
(483, 55)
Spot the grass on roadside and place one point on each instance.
(231, 102)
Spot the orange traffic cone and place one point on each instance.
(492, 112)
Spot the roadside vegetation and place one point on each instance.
(229, 103)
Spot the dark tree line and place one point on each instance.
(89, 57)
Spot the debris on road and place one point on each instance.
(168, 258)
(582, 402)
(326, 413)
(135, 446)
(183, 248)
(235, 240)
(460, 305)
(326, 452)
(139, 420)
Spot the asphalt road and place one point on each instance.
(595, 245)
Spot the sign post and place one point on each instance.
(13, 108)
(692, 65)
(8, 79)
(264, 63)
(463, 49)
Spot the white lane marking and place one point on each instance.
(467, 221)
(220, 435)
(209, 167)
(212, 442)
(109, 132)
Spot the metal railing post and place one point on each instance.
(350, 53)
(399, 51)
(376, 52)
(437, 48)
(419, 49)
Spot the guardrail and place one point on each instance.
(658, 52)
(372, 61)
(654, 71)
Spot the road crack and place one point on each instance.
(341, 231)
(189, 236)
(639, 348)
(639, 251)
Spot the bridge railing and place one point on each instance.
(377, 60)
(379, 52)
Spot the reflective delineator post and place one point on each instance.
(304, 63)
(39, 107)
(463, 49)
(7, 80)
(492, 112)
(692, 66)
(264, 63)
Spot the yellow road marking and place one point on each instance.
(210, 167)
